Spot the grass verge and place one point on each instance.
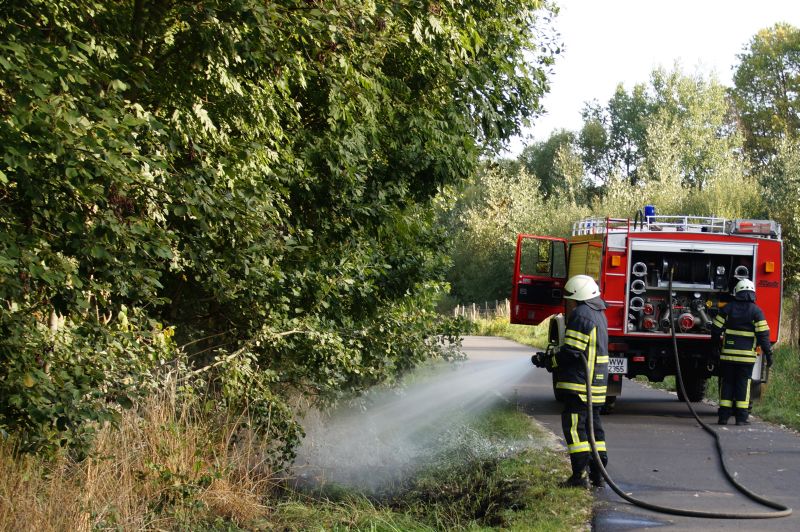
(512, 487)
(168, 468)
(534, 336)
(780, 398)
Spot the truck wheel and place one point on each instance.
(608, 407)
(559, 394)
(695, 388)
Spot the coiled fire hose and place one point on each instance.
(781, 510)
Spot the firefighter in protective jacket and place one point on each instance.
(742, 327)
(586, 336)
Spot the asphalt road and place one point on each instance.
(659, 453)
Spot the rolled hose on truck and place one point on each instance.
(781, 510)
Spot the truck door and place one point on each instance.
(540, 271)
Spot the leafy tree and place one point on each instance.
(593, 144)
(253, 182)
(615, 138)
(539, 159)
(483, 256)
(628, 115)
(783, 201)
(672, 143)
(568, 169)
(612, 139)
(767, 90)
(691, 127)
(484, 245)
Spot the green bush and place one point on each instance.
(59, 387)
(259, 178)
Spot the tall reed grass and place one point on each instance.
(165, 466)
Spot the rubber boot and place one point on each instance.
(723, 414)
(580, 462)
(595, 476)
(575, 482)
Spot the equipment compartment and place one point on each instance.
(703, 276)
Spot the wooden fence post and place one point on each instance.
(796, 321)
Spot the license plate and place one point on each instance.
(618, 365)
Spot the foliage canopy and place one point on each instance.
(240, 185)
(767, 90)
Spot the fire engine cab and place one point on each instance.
(631, 260)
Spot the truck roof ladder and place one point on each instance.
(688, 224)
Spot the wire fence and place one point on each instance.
(489, 310)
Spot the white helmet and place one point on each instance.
(581, 288)
(743, 285)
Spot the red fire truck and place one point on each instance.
(631, 261)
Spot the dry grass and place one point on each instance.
(161, 468)
(164, 467)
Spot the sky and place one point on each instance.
(623, 41)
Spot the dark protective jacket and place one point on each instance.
(586, 335)
(742, 326)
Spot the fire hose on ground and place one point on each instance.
(780, 509)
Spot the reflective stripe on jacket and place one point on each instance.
(742, 326)
(586, 335)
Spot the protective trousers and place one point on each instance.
(575, 424)
(734, 390)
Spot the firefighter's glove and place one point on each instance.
(540, 359)
(768, 358)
